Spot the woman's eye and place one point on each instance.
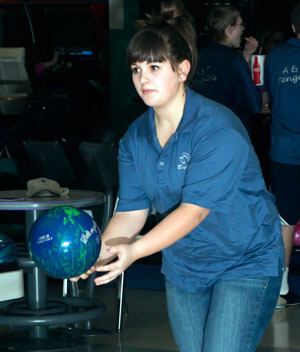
(154, 67)
(134, 70)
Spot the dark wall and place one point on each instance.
(71, 30)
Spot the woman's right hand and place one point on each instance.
(125, 254)
(105, 257)
(115, 235)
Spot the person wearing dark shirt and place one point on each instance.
(223, 73)
(282, 80)
(268, 37)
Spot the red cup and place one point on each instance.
(257, 63)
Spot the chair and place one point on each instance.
(102, 175)
(9, 173)
(49, 160)
(46, 116)
(11, 223)
(101, 161)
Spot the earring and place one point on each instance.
(181, 77)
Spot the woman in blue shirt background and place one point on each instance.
(190, 159)
(282, 79)
(223, 73)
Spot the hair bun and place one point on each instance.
(167, 34)
(171, 12)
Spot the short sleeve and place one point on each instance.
(215, 171)
(131, 194)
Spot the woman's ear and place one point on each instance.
(183, 70)
(228, 30)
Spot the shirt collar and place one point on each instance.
(294, 41)
(188, 119)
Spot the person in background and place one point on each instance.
(223, 73)
(282, 81)
(268, 37)
(42, 67)
(191, 160)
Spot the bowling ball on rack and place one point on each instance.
(8, 250)
(296, 239)
(64, 242)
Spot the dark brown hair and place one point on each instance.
(167, 35)
(295, 16)
(219, 17)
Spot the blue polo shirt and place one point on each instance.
(223, 75)
(207, 162)
(282, 80)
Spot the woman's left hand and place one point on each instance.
(250, 47)
(125, 257)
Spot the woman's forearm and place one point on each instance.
(174, 227)
(124, 227)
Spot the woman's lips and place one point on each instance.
(147, 91)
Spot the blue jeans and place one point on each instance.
(230, 316)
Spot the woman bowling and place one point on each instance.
(190, 159)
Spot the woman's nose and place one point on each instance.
(144, 77)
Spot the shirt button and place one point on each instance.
(162, 163)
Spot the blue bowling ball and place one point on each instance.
(64, 242)
(8, 250)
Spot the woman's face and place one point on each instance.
(234, 33)
(157, 83)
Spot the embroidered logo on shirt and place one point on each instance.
(183, 161)
(290, 74)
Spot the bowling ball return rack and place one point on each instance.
(35, 318)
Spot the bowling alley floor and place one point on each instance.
(146, 329)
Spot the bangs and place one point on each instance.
(147, 45)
